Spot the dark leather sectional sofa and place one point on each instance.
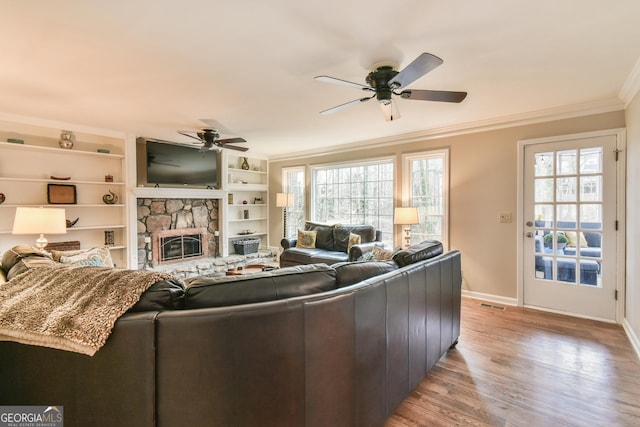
(337, 354)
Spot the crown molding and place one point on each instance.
(631, 86)
(45, 123)
(532, 117)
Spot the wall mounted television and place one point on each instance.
(162, 163)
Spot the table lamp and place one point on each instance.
(406, 217)
(284, 200)
(39, 221)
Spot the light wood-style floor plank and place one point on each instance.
(523, 367)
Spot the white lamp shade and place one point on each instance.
(39, 221)
(406, 216)
(284, 200)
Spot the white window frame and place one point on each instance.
(387, 235)
(407, 159)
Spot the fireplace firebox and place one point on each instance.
(179, 245)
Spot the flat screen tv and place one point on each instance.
(174, 164)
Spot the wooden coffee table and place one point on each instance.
(249, 269)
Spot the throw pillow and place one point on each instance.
(17, 253)
(382, 254)
(573, 239)
(73, 257)
(354, 239)
(306, 239)
(368, 256)
(93, 261)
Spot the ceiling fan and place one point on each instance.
(209, 137)
(384, 81)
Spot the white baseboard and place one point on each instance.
(635, 342)
(491, 298)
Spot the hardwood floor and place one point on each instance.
(522, 367)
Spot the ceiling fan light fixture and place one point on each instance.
(390, 110)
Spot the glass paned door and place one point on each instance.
(569, 245)
(568, 209)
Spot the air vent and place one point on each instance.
(494, 307)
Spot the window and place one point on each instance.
(425, 185)
(293, 183)
(360, 193)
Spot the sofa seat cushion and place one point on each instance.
(312, 256)
(348, 273)
(421, 251)
(584, 252)
(265, 286)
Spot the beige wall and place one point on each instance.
(633, 225)
(482, 184)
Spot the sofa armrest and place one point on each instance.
(358, 250)
(288, 243)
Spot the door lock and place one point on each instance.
(528, 234)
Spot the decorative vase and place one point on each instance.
(245, 164)
(66, 140)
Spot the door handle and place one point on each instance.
(528, 234)
(529, 224)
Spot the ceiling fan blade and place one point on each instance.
(234, 147)
(434, 95)
(189, 135)
(345, 105)
(334, 80)
(390, 110)
(412, 72)
(231, 140)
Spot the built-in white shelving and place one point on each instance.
(27, 169)
(247, 208)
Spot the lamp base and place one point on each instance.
(41, 243)
(407, 236)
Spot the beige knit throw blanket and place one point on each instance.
(69, 308)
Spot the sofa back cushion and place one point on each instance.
(348, 273)
(266, 286)
(162, 295)
(421, 251)
(341, 235)
(324, 234)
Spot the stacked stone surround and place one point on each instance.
(174, 214)
(217, 266)
(170, 214)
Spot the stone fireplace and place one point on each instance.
(172, 230)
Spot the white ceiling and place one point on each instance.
(154, 67)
